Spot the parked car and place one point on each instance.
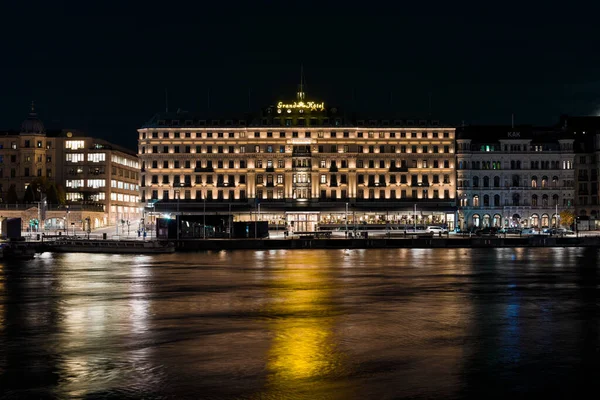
(436, 229)
(561, 231)
(530, 231)
(510, 231)
(487, 231)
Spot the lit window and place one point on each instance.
(74, 144)
(96, 157)
(74, 157)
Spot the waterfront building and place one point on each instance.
(93, 174)
(95, 171)
(585, 131)
(513, 177)
(299, 164)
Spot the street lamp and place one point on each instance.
(346, 220)
(177, 219)
(415, 218)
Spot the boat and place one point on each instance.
(111, 246)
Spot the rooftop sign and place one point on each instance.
(302, 105)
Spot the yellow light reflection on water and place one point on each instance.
(2, 293)
(304, 344)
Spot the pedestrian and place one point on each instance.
(139, 233)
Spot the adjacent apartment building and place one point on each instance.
(93, 172)
(585, 132)
(513, 176)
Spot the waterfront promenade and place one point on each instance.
(277, 240)
(276, 243)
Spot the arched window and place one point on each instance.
(460, 165)
(534, 181)
(545, 220)
(535, 220)
(555, 181)
(476, 220)
(545, 200)
(534, 200)
(496, 200)
(486, 200)
(475, 181)
(496, 181)
(475, 201)
(518, 164)
(555, 200)
(544, 181)
(515, 180)
(486, 181)
(486, 220)
(497, 220)
(516, 199)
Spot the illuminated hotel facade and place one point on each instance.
(300, 165)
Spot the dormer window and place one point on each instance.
(189, 122)
(175, 122)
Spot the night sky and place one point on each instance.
(104, 68)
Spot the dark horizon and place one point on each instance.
(104, 69)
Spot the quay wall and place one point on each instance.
(420, 243)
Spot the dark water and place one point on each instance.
(347, 324)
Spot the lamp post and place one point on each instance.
(204, 214)
(177, 219)
(346, 220)
(415, 218)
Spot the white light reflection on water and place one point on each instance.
(105, 315)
